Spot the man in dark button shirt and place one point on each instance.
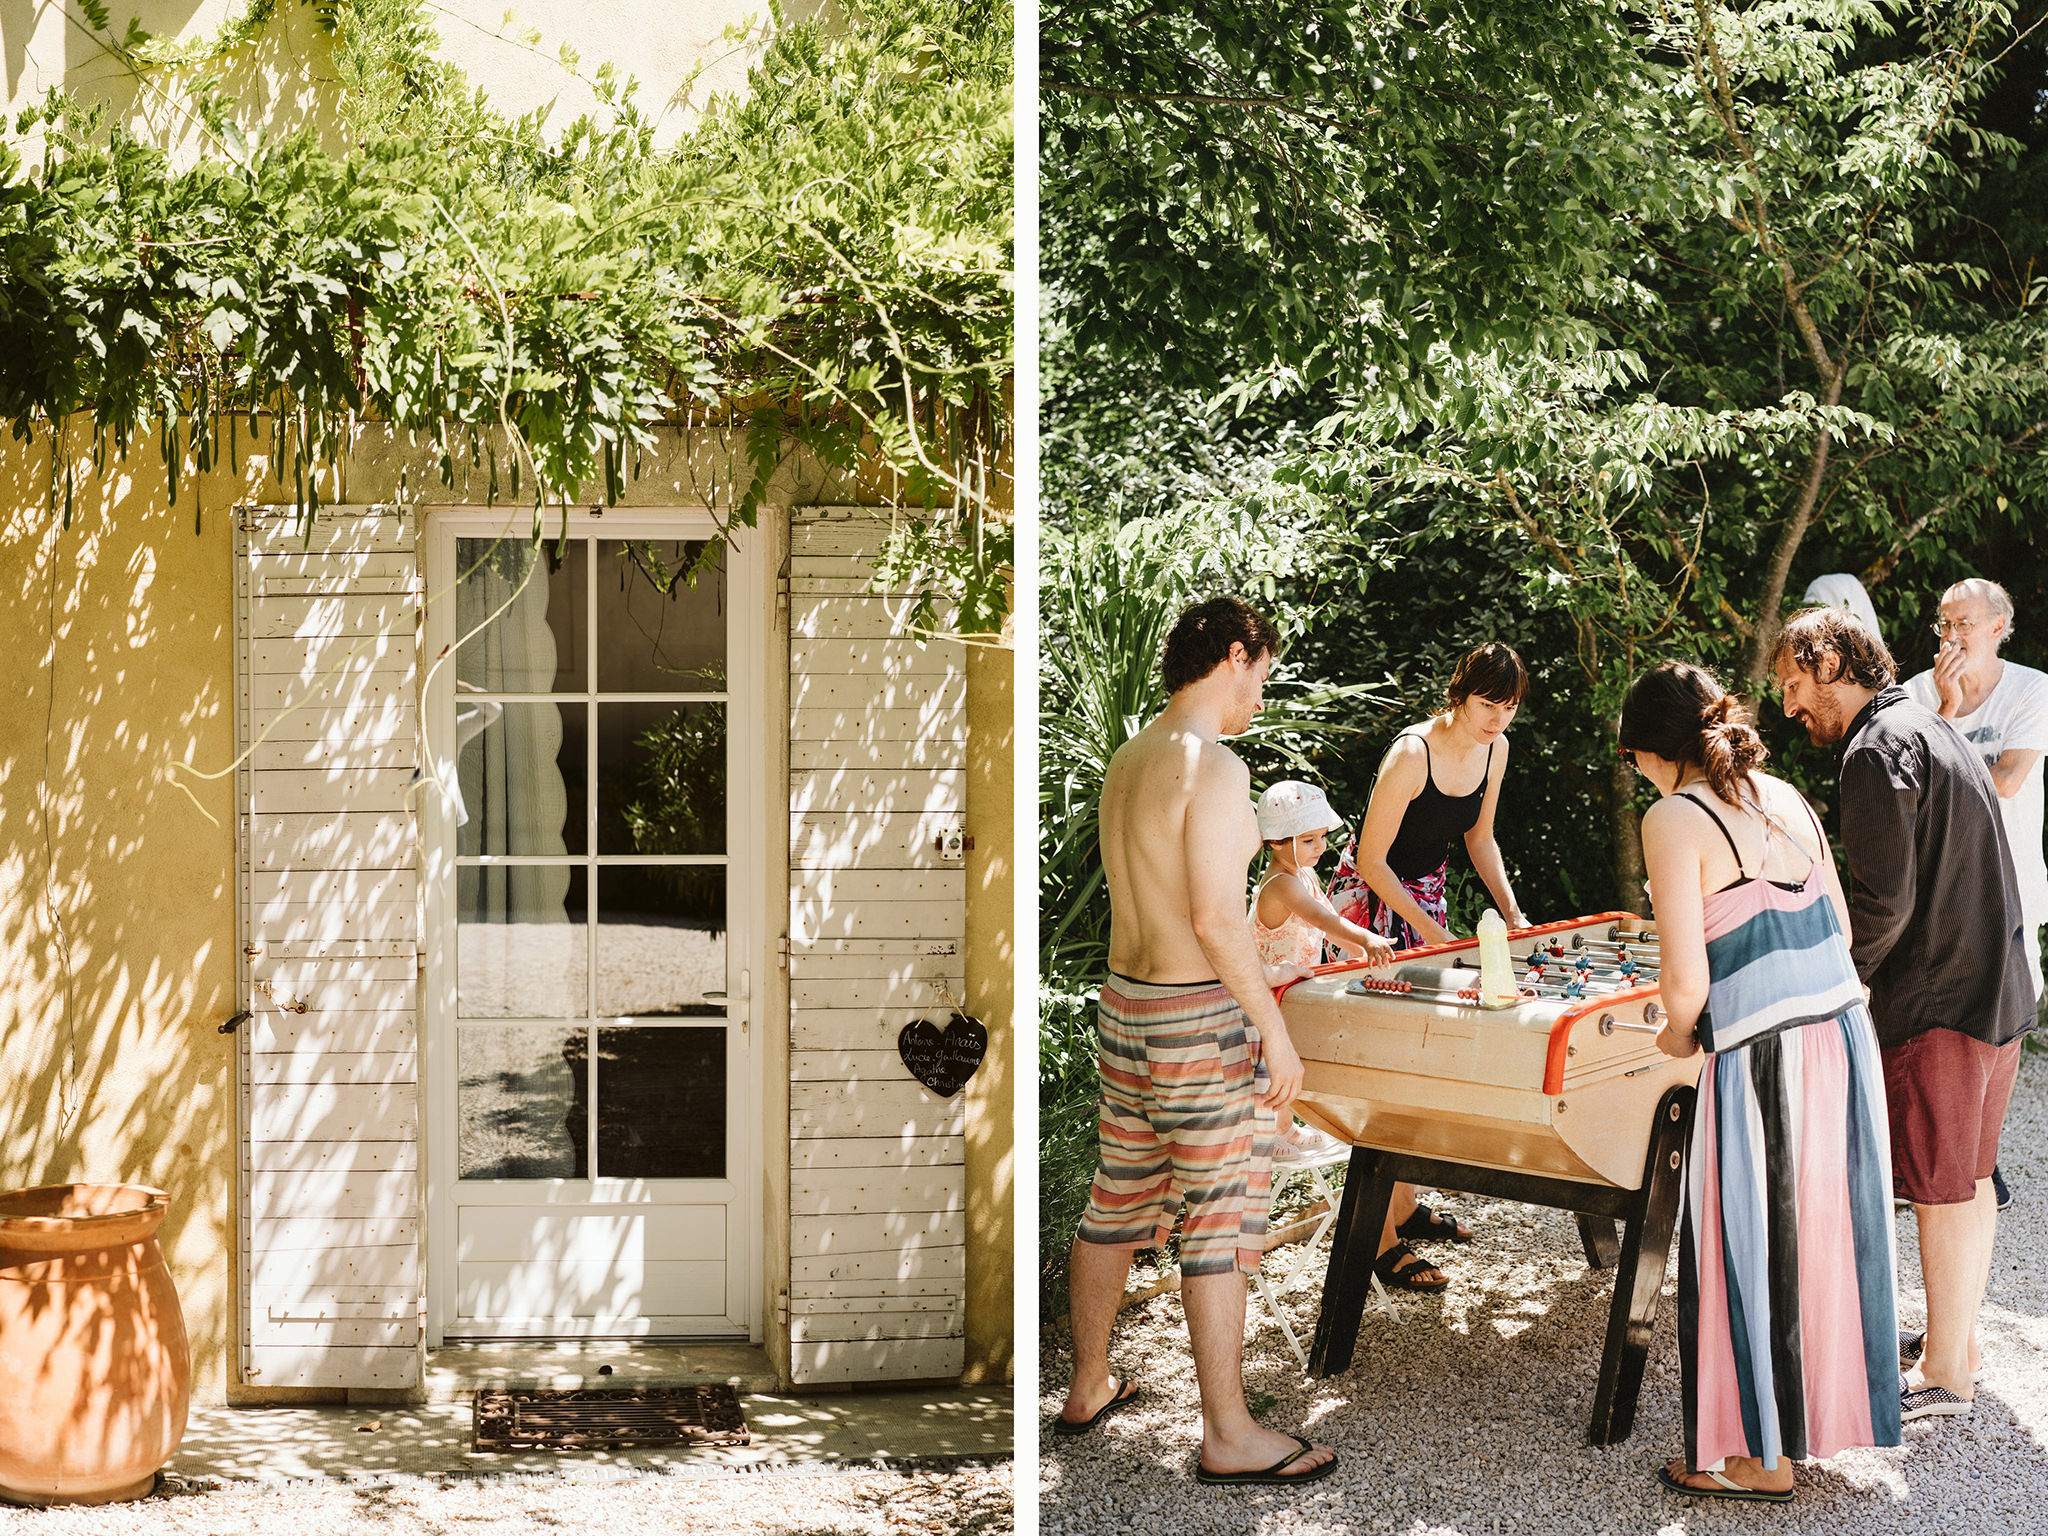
(1934, 913)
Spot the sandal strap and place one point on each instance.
(1391, 1263)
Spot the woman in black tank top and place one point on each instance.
(1391, 878)
(1437, 785)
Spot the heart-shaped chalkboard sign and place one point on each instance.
(943, 1059)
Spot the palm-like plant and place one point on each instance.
(1109, 598)
(1108, 607)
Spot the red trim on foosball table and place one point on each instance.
(1561, 1033)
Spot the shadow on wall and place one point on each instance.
(992, 993)
(117, 924)
(282, 81)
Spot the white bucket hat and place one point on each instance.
(1290, 808)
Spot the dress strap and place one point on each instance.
(1772, 824)
(1715, 817)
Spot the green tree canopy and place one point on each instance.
(1789, 321)
(822, 261)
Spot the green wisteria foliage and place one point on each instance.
(822, 264)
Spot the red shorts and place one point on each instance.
(1947, 1095)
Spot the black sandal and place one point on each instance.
(1426, 1226)
(1396, 1276)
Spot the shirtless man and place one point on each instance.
(1195, 1061)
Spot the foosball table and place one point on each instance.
(1560, 1099)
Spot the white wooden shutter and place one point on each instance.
(877, 769)
(327, 667)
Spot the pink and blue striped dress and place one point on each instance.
(1787, 1329)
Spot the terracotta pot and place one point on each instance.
(96, 1372)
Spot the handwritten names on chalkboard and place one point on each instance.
(943, 1059)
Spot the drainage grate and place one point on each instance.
(588, 1421)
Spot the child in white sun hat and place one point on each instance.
(1291, 920)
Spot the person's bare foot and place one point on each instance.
(1966, 1389)
(1086, 1400)
(1747, 1471)
(1913, 1350)
(1262, 1448)
(1409, 1271)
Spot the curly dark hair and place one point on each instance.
(1830, 645)
(1203, 635)
(1683, 714)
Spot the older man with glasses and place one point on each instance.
(1934, 918)
(2001, 708)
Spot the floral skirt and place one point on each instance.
(1357, 902)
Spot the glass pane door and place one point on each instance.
(592, 1049)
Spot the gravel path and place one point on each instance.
(1467, 1416)
(965, 1501)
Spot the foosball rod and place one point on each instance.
(1620, 935)
(1644, 976)
(1555, 993)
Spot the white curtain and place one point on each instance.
(508, 777)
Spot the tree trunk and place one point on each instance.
(1628, 838)
(1763, 640)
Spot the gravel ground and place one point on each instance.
(1466, 1416)
(964, 1501)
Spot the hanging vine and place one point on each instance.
(821, 264)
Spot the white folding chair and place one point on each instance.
(1316, 1165)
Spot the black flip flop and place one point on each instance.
(1732, 1491)
(1274, 1476)
(1126, 1393)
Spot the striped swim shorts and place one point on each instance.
(1179, 1119)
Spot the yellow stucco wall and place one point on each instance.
(112, 1066)
(679, 52)
(992, 997)
(277, 81)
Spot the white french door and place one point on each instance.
(593, 819)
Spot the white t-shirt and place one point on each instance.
(2013, 717)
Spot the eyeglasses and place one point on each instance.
(1944, 627)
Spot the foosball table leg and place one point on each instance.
(1597, 1237)
(1368, 1191)
(1639, 1279)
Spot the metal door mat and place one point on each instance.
(610, 1420)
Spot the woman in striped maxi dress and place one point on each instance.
(1787, 1335)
